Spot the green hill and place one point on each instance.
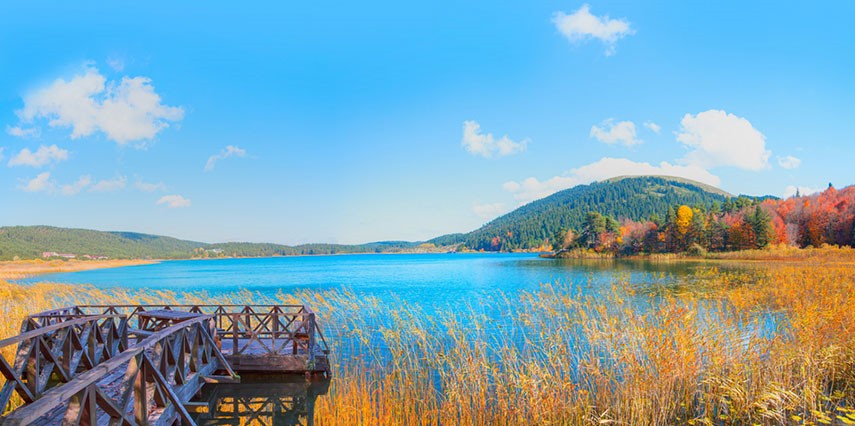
(29, 242)
(632, 197)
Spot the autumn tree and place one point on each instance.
(593, 230)
(562, 239)
(682, 222)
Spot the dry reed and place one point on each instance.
(771, 345)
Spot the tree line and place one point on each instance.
(739, 224)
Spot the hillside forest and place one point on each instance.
(743, 224)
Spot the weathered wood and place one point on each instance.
(142, 370)
(75, 366)
(30, 334)
(55, 350)
(220, 379)
(196, 407)
(262, 400)
(157, 319)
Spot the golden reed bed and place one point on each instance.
(18, 269)
(697, 356)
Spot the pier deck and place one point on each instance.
(142, 364)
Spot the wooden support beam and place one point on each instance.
(197, 407)
(221, 379)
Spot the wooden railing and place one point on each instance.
(275, 329)
(58, 350)
(161, 373)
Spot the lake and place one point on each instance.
(430, 280)
(396, 313)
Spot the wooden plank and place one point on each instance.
(13, 378)
(221, 379)
(166, 314)
(106, 404)
(177, 403)
(140, 333)
(196, 407)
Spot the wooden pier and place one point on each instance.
(260, 400)
(142, 364)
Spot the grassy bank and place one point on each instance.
(775, 345)
(776, 253)
(18, 269)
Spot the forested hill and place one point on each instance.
(30, 242)
(636, 198)
(528, 227)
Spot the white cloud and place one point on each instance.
(44, 155)
(791, 190)
(611, 133)
(228, 151)
(43, 183)
(110, 185)
(124, 111)
(489, 211)
(789, 162)
(653, 127)
(486, 145)
(611, 167)
(174, 201)
(149, 186)
(76, 187)
(2, 157)
(532, 189)
(21, 132)
(40, 183)
(117, 64)
(717, 138)
(582, 25)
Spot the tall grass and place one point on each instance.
(770, 345)
(19, 269)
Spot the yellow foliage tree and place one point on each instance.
(684, 219)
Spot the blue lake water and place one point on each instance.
(427, 279)
(428, 283)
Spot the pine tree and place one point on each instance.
(761, 223)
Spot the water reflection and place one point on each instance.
(262, 401)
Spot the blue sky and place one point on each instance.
(352, 122)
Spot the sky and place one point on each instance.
(349, 122)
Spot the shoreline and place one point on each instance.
(21, 269)
(778, 254)
(12, 270)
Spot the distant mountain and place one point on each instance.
(29, 242)
(632, 197)
(528, 227)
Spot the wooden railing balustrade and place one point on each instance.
(88, 365)
(155, 378)
(55, 352)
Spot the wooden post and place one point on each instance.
(141, 391)
(310, 328)
(235, 331)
